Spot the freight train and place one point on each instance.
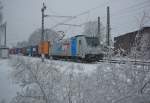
(79, 47)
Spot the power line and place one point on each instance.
(114, 14)
(58, 16)
(80, 14)
(129, 13)
(130, 7)
(75, 25)
(121, 11)
(125, 10)
(133, 11)
(137, 8)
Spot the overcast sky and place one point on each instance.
(24, 16)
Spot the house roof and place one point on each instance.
(134, 32)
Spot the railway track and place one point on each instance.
(113, 61)
(133, 62)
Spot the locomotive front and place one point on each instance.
(94, 50)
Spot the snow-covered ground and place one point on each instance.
(63, 65)
(7, 88)
(105, 81)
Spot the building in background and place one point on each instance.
(140, 39)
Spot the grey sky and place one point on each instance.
(24, 16)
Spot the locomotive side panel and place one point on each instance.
(66, 48)
(81, 45)
(61, 48)
(56, 49)
(73, 46)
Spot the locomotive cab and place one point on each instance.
(89, 48)
(94, 49)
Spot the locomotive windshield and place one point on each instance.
(92, 41)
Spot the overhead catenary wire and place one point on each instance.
(113, 14)
(58, 16)
(125, 11)
(75, 25)
(128, 14)
(80, 14)
(135, 10)
(131, 7)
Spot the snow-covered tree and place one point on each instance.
(49, 35)
(35, 38)
(22, 44)
(141, 48)
(91, 29)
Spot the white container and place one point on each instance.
(4, 52)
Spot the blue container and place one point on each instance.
(73, 46)
(17, 50)
(30, 51)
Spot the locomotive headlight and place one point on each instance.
(92, 50)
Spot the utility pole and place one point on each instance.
(3, 27)
(42, 36)
(5, 34)
(98, 32)
(108, 28)
(108, 33)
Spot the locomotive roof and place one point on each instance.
(82, 36)
(79, 35)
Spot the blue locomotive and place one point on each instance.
(80, 47)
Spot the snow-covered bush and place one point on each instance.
(56, 82)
